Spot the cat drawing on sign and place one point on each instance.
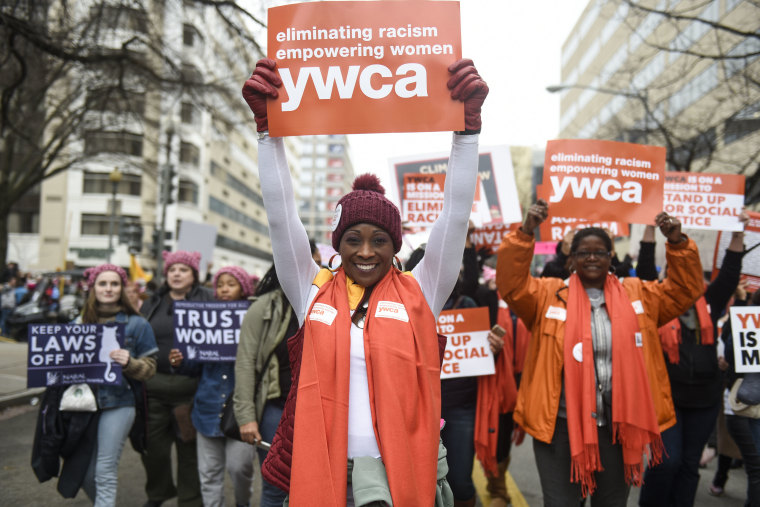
(108, 343)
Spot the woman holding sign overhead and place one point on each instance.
(217, 453)
(362, 419)
(170, 393)
(595, 393)
(107, 302)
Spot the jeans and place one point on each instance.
(215, 454)
(271, 495)
(674, 481)
(102, 475)
(553, 462)
(754, 428)
(458, 438)
(740, 429)
(4, 314)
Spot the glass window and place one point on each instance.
(100, 225)
(189, 113)
(187, 192)
(99, 183)
(116, 100)
(189, 154)
(113, 142)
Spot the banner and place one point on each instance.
(63, 354)
(208, 331)
(604, 180)
(362, 67)
(705, 201)
(745, 328)
(467, 351)
(751, 259)
(497, 198)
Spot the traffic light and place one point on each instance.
(135, 238)
(123, 231)
(168, 184)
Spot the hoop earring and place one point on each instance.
(612, 269)
(329, 263)
(397, 263)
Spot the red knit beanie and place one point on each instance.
(367, 204)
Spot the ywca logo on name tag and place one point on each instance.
(391, 310)
(323, 313)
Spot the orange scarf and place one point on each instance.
(403, 371)
(670, 333)
(634, 423)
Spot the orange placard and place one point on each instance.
(423, 199)
(362, 67)
(604, 180)
(705, 200)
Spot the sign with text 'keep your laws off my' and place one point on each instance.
(363, 67)
(604, 180)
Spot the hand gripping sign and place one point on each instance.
(362, 67)
(467, 352)
(604, 180)
(64, 354)
(208, 331)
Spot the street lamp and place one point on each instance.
(114, 177)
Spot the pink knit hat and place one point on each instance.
(367, 204)
(91, 274)
(192, 259)
(245, 281)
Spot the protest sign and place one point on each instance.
(488, 237)
(362, 67)
(497, 192)
(604, 180)
(467, 352)
(705, 201)
(423, 200)
(208, 331)
(63, 354)
(751, 259)
(555, 227)
(745, 329)
(198, 237)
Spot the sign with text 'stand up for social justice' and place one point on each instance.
(467, 351)
(361, 67)
(604, 180)
(208, 331)
(705, 200)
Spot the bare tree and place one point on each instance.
(73, 73)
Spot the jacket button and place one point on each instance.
(224, 377)
(224, 395)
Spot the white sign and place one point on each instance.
(467, 351)
(745, 328)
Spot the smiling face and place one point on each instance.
(366, 252)
(591, 260)
(228, 288)
(180, 277)
(107, 288)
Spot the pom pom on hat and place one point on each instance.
(91, 274)
(192, 259)
(367, 204)
(245, 281)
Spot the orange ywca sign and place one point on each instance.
(705, 201)
(362, 67)
(467, 351)
(604, 180)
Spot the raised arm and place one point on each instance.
(290, 243)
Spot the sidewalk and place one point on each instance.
(13, 390)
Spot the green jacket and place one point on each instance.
(263, 328)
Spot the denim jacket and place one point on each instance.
(140, 342)
(214, 389)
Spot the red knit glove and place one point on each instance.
(262, 84)
(467, 85)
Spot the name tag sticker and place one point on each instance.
(637, 307)
(323, 313)
(391, 310)
(639, 340)
(557, 313)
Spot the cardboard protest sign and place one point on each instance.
(208, 331)
(745, 328)
(63, 354)
(467, 352)
(497, 191)
(555, 227)
(705, 201)
(604, 180)
(751, 259)
(361, 67)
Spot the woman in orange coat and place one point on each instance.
(595, 393)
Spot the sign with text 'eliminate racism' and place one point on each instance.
(467, 351)
(745, 330)
(705, 201)
(64, 354)
(208, 331)
(604, 180)
(363, 67)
